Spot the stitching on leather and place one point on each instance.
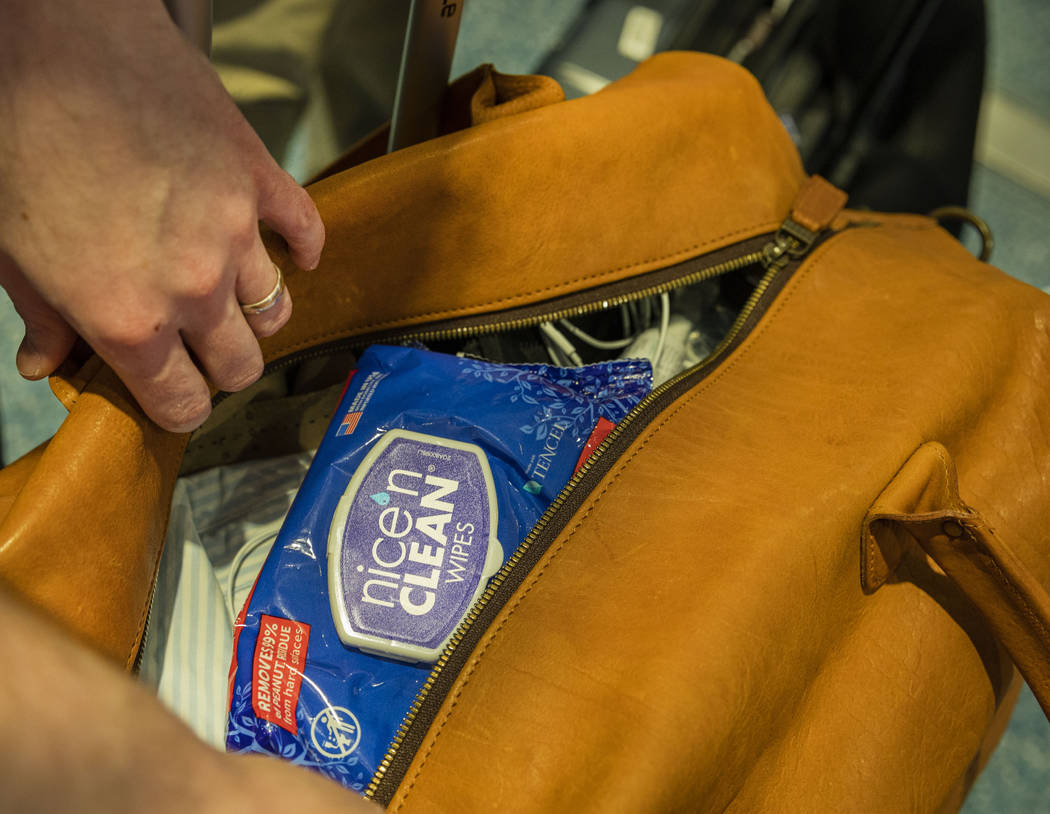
(501, 300)
(1030, 615)
(946, 492)
(534, 578)
(490, 637)
(867, 539)
(869, 546)
(129, 661)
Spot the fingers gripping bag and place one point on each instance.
(433, 469)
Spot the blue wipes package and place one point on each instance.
(432, 471)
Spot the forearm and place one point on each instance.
(75, 67)
(81, 736)
(55, 36)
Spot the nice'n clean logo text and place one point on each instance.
(406, 572)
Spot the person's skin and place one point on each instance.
(80, 736)
(130, 193)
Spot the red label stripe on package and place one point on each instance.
(277, 670)
(601, 429)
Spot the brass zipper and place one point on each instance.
(136, 666)
(780, 253)
(688, 272)
(780, 265)
(613, 301)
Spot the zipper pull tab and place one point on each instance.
(791, 242)
(817, 204)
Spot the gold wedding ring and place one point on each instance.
(270, 300)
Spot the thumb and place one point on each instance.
(47, 343)
(49, 338)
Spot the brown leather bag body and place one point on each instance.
(783, 584)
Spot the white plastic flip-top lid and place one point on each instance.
(412, 544)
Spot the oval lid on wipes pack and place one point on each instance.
(412, 544)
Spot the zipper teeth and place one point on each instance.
(490, 591)
(559, 501)
(693, 278)
(136, 667)
(587, 308)
(441, 335)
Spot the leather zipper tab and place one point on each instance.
(817, 204)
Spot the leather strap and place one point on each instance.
(1014, 604)
(817, 204)
(922, 505)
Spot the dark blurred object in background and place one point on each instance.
(881, 98)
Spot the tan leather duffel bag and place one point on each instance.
(783, 584)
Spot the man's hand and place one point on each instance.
(130, 193)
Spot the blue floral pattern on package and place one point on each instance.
(432, 471)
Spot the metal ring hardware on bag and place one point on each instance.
(960, 213)
(270, 300)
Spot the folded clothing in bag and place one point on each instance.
(432, 471)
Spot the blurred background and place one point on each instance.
(907, 104)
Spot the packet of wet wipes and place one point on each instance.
(432, 471)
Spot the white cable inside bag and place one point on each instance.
(265, 535)
(637, 315)
(600, 344)
(665, 319)
(664, 345)
(553, 337)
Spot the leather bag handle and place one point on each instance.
(480, 96)
(995, 580)
(922, 506)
